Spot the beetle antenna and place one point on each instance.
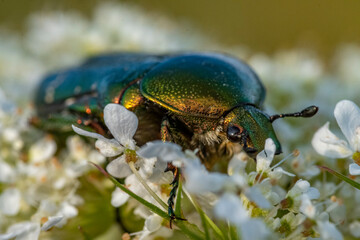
(306, 113)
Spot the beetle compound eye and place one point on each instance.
(234, 134)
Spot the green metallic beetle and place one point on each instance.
(205, 100)
(211, 102)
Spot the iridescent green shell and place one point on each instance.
(204, 85)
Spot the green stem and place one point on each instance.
(202, 214)
(233, 233)
(342, 177)
(151, 192)
(178, 200)
(190, 230)
(151, 206)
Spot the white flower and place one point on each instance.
(42, 150)
(299, 192)
(122, 124)
(347, 115)
(10, 201)
(328, 144)
(264, 159)
(303, 187)
(229, 207)
(289, 222)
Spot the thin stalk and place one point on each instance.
(178, 200)
(342, 177)
(233, 232)
(151, 192)
(149, 205)
(214, 227)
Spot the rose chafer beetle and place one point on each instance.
(206, 101)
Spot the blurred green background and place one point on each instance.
(260, 25)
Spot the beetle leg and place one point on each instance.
(175, 185)
(167, 136)
(95, 125)
(165, 131)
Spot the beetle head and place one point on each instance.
(250, 127)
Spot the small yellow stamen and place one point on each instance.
(356, 158)
(130, 155)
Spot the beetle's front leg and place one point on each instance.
(166, 136)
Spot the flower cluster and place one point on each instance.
(34, 182)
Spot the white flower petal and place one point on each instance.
(119, 168)
(282, 171)
(121, 122)
(238, 163)
(299, 188)
(52, 221)
(328, 231)
(7, 173)
(109, 147)
(355, 229)
(313, 193)
(87, 133)
(165, 151)
(254, 229)
(265, 157)
(200, 181)
(10, 202)
(347, 115)
(118, 197)
(230, 207)
(153, 223)
(354, 169)
(147, 166)
(328, 144)
(307, 207)
(254, 194)
(68, 211)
